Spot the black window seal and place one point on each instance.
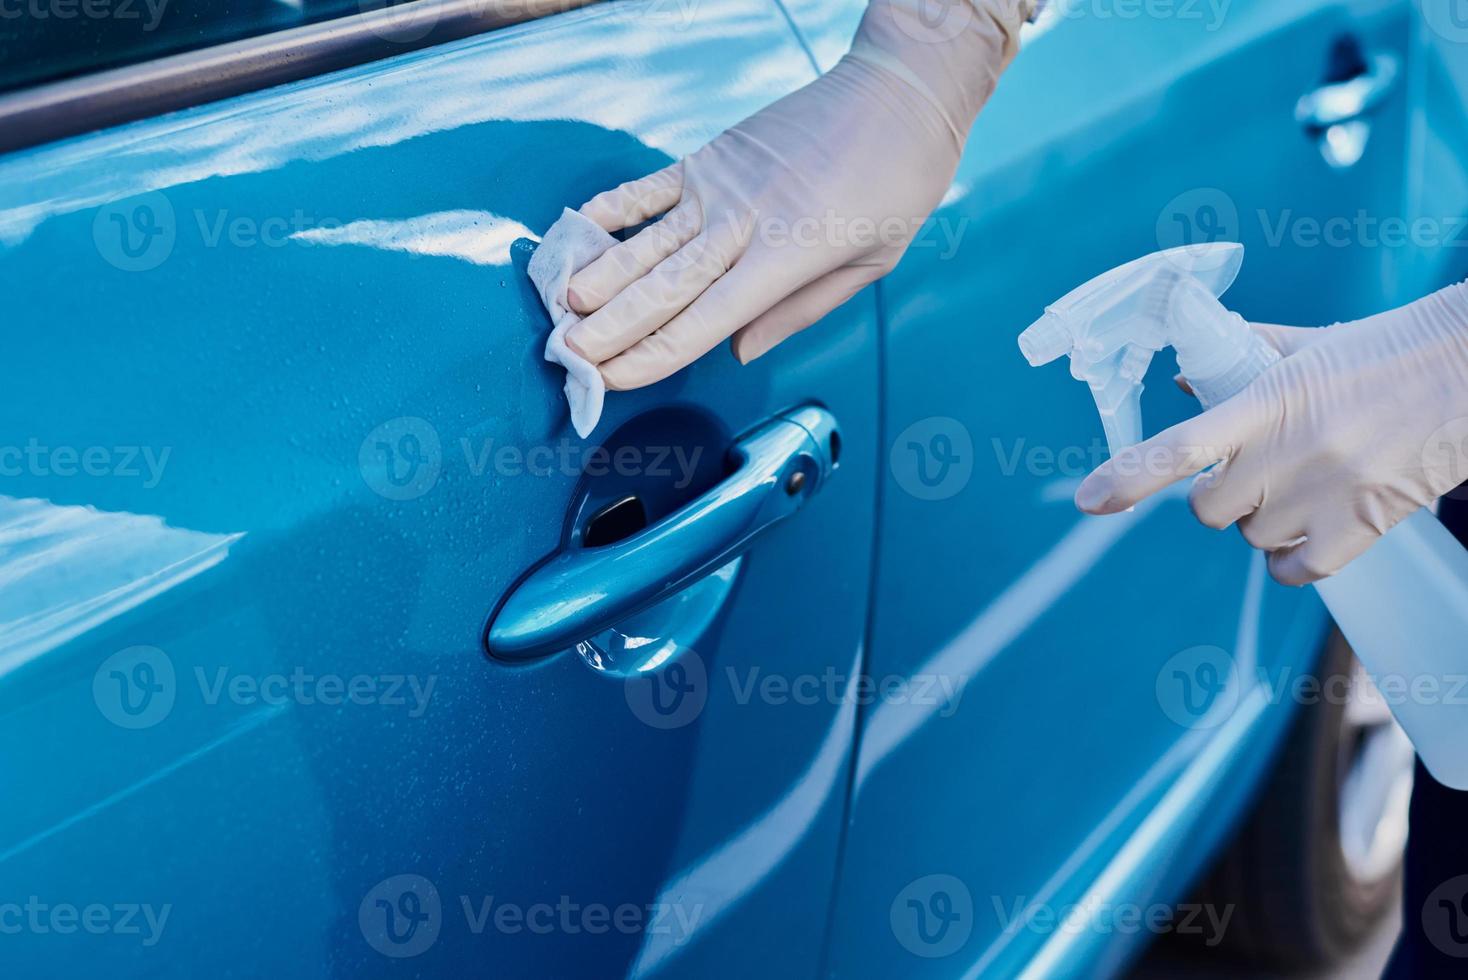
(54, 111)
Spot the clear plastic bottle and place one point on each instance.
(1403, 604)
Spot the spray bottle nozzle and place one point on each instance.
(1045, 340)
(1113, 325)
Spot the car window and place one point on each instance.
(48, 40)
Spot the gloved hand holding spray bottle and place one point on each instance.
(1403, 603)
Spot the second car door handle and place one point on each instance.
(1339, 102)
(580, 591)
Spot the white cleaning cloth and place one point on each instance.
(568, 247)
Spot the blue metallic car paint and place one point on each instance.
(1066, 775)
(295, 295)
(280, 343)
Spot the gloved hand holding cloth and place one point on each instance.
(788, 214)
(1360, 425)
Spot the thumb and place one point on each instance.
(1188, 448)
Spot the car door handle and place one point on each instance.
(1340, 102)
(580, 591)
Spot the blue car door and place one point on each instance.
(1053, 739)
(280, 447)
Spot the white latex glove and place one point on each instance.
(788, 214)
(1355, 429)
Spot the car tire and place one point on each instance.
(1317, 867)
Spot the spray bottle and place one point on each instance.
(1403, 604)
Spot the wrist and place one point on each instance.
(951, 52)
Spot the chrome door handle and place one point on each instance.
(580, 591)
(1340, 102)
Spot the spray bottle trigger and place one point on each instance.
(1122, 420)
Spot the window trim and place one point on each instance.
(56, 110)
